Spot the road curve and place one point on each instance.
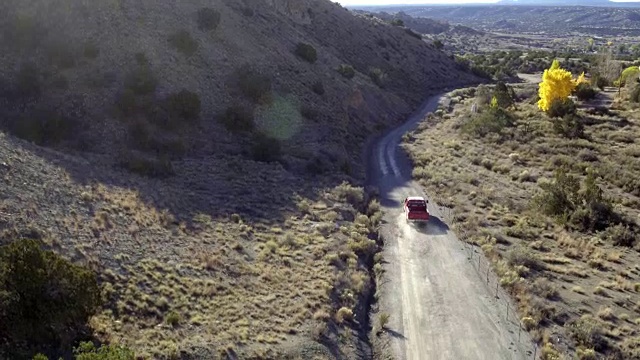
(439, 306)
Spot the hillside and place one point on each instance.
(552, 20)
(422, 25)
(198, 155)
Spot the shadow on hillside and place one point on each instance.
(220, 188)
(395, 334)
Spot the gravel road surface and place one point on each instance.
(439, 305)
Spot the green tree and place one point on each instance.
(88, 351)
(45, 300)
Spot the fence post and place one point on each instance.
(497, 284)
(507, 311)
(519, 330)
(487, 274)
(535, 352)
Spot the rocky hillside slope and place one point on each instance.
(79, 59)
(423, 25)
(194, 154)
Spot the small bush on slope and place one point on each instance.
(346, 71)
(306, 52)
(237, 119)
(183, 42)
(254, 85)
(87, 351)
(492, 120)
(584, 91)
(208, 19)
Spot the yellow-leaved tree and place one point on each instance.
(557, 83)
(581, 80)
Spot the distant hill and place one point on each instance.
(534, 17)
(605, 3)
(569, 3)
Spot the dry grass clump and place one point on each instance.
(551, 264)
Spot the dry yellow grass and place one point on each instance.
(490, 183)
(206, 283)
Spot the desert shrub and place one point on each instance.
(587, 155)
(183, 42)
(544, 288)
(483, 95)
(570, 126)
(587, 332)
(504, 95)
(306, 52)
(413, 34)
(600, 81)
(523, 256)
(560, 108)
(91, 50)
(87, 351)
(247, 11)
(156, 167)
(184, 105)
(309, 112)
(438, 44)
(318, 87)
(143, 138)
(397, 22)
(584, 92)
(61, 54)
(28, 80)
(23, 32)
(237, 119)
(141, 59)
(173, 319)
(346, 192)
(634, 95)
(492, 120)
(141, 80)
(620, 235)
(316, 166)
(254, 85)
(344, 314)
(208, 19)
(265, 148)
(127, 103)
(346, 71)
(60, 82)
(45, 300)
(377, 76)
(44, 127)
(587, 208)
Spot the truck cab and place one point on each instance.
(415, 209)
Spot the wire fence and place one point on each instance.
(487, 275)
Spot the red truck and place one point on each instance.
(415, 209)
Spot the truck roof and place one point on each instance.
(419, 198)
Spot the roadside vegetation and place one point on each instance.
(544, 180)
(232, 278)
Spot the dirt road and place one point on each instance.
(439, 306)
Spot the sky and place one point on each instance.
(402, 2)
(398, 2)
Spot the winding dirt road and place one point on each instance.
(439, 306)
